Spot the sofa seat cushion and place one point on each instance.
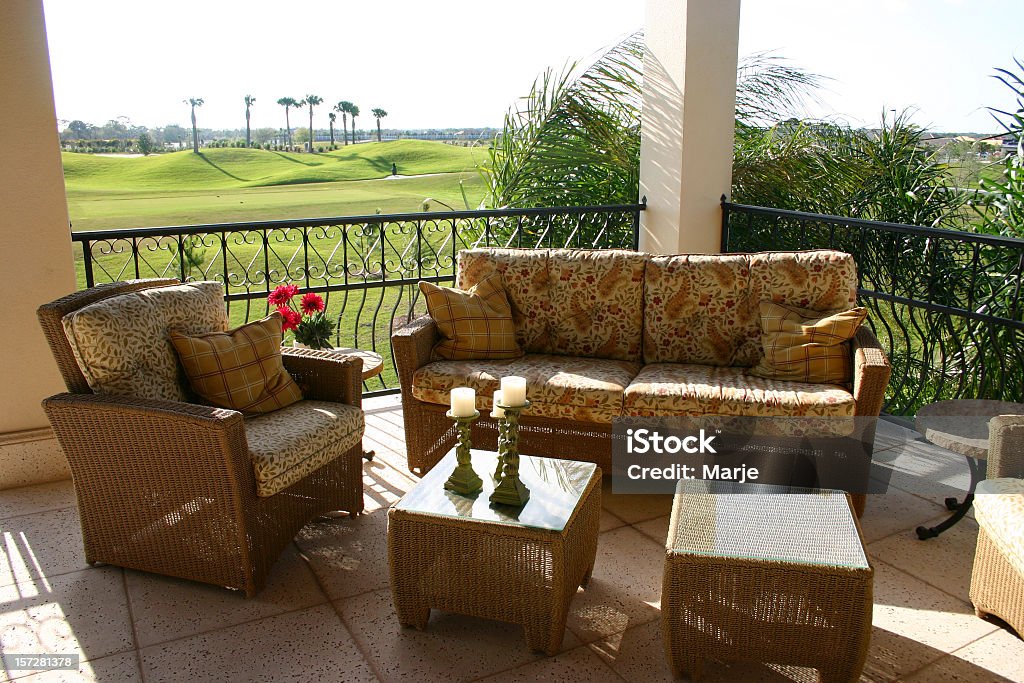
(569, 387)
(122, 343)
(999, 507)
(288, 444)
(686, 389)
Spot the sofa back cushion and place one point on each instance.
(526, 278)
(704, 308)
(697, 309)
(574, 302)
(122, 343)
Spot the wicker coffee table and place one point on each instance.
(520, 565)
(765, 576)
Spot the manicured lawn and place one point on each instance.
(226, 185)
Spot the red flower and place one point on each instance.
(282, 295)
(291, 318)
(311, 303)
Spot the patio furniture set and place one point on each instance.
(198, 451)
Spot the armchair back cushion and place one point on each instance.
(122, 343)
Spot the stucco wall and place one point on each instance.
(35, 248)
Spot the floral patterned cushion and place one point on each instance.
(820, 280)
(598, 300)
(288, 444)
(526, 279)
(122, 344)
(697, 309)
(999, 507)
(684, 389)
(581, 389)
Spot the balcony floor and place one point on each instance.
(326, 612)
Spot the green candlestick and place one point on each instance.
(499, 471)
(510, 490)
(464, 479)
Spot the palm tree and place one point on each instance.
(288, 103)
(355, 112)
(249, 100)
(312, 101)
(344, 107)
(194, 102)
(378, 114)
(333, 117)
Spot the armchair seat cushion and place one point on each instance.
(288, 444)
(999, 507)
(576, 388)
(687, 389)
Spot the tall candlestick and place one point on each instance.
(513, 391)
(463, 402)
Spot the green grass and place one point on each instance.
(228, 185)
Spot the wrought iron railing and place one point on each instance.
(946, 305)
(366, 267)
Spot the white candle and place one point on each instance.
(463, 402)
(513, 390)
(497, 412)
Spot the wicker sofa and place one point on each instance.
(621, 333)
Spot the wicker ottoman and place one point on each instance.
(520, 565)
(755, 574)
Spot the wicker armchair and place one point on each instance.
(169, 487)
(997, 580)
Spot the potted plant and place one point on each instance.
(308, 322)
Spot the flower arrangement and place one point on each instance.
(309, 321)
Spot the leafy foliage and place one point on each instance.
(575, 139)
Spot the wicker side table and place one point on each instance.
(765, 576)
(520, 565)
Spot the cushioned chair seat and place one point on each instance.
(582, 389)
(999, 507)
(289, 443)
(684, 389)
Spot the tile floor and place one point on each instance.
(326, 613)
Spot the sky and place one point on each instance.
(462, 63)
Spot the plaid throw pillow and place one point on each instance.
(807, 346)
(476, 323)
(239, 369)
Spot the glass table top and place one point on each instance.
(765, 522)
(555, 490)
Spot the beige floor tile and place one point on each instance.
(915, 624)
(625, 589)
(122, 668)
(83, 612)
(309, 645)
(579, 665)
(166, 608)
(888, 435)
(27, 500)
(610, 521)
(452, 648)
(996, 657)
(925, 470)
(945, 562)
(639, 655)
(42, 544)
(656, 529)
(349, 556)
(633, 508)
(895, 511)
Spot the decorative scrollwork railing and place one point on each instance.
(947, 305)
(366, 267)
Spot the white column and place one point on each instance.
(687, 124)
(35, 247)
